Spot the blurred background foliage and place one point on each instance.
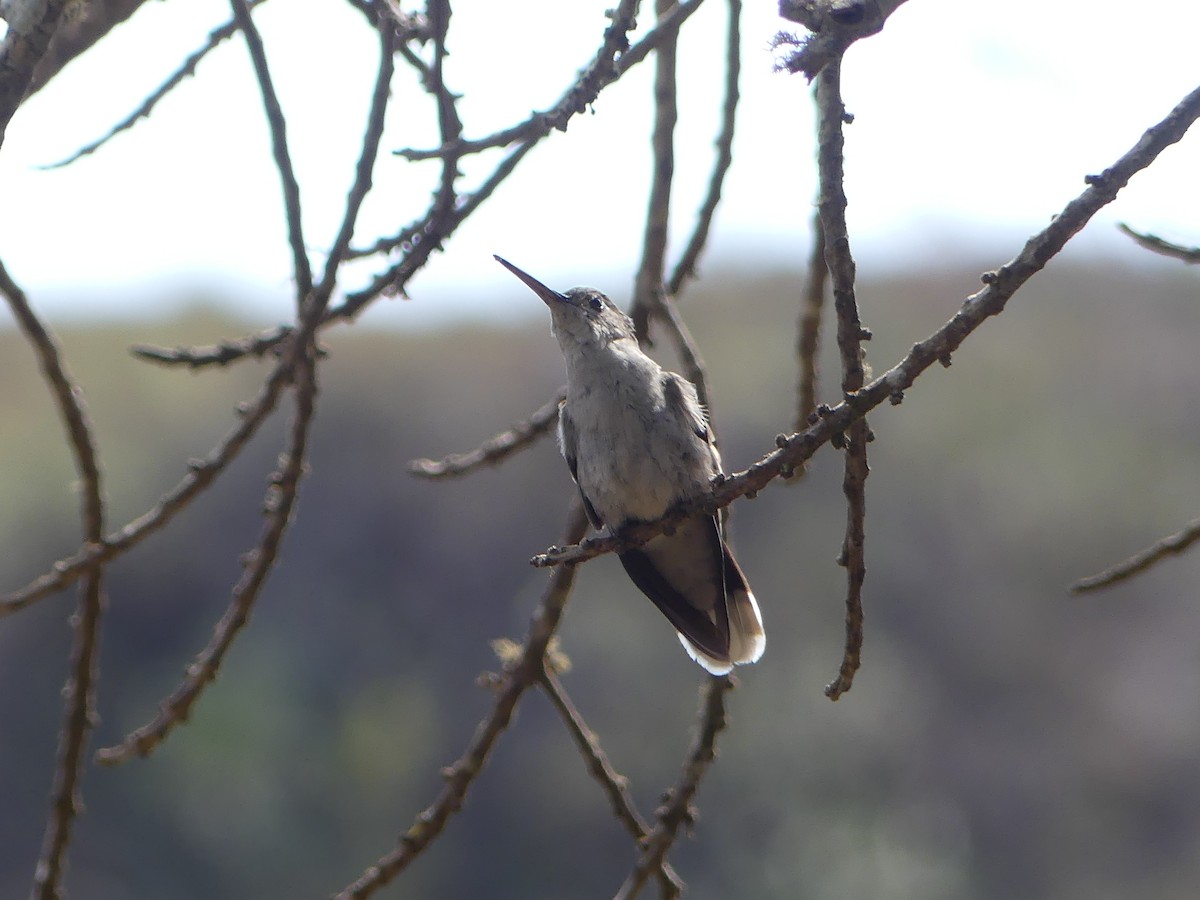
(1002, 740)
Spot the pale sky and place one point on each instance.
(974, 123)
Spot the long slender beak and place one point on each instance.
(548, 296)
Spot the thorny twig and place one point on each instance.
(614, 58)
(517, 678)
(280, 501)
(186, 70)
(78, 694)
(615, 785)
(831, 116)
(302, 270)
(495, 449)
(676, 809)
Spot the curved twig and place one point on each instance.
(1155, 244)
(78, 693)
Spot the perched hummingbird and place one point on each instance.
(637, 442)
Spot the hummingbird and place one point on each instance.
(637, 442)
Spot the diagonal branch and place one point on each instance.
(495, 449)
(1000, 285)
(364, 169)
(201, 474)
(280, 501)
(518, 677)
(1152, 242)
(615, 785)
(78, 694)
(1172, 545)
(677, 806)
(186, 70)
(612, 60)
(686, 267)
(648, 286)
(279, 147)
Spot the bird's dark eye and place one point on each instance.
(596, 303)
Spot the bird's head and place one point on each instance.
(579, 316)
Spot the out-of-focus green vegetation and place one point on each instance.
(1002, 740)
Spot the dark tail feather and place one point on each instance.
(696, 583)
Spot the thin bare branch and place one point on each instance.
(1152, 242)
(1172, 545)
(676, 809)
(615, 785)
(1000, 285)
(517, 678)
(831, 204)
(686, 267)
(395, 279)
(256, 345)
(421, 238)
(79, 713)
(302, 271)
(808, 331)
(689, 352)
(648, 285)
(202, 472)
(280, 501)
(364, 169)
(614, 58)
(186, 70)
(495, 449)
